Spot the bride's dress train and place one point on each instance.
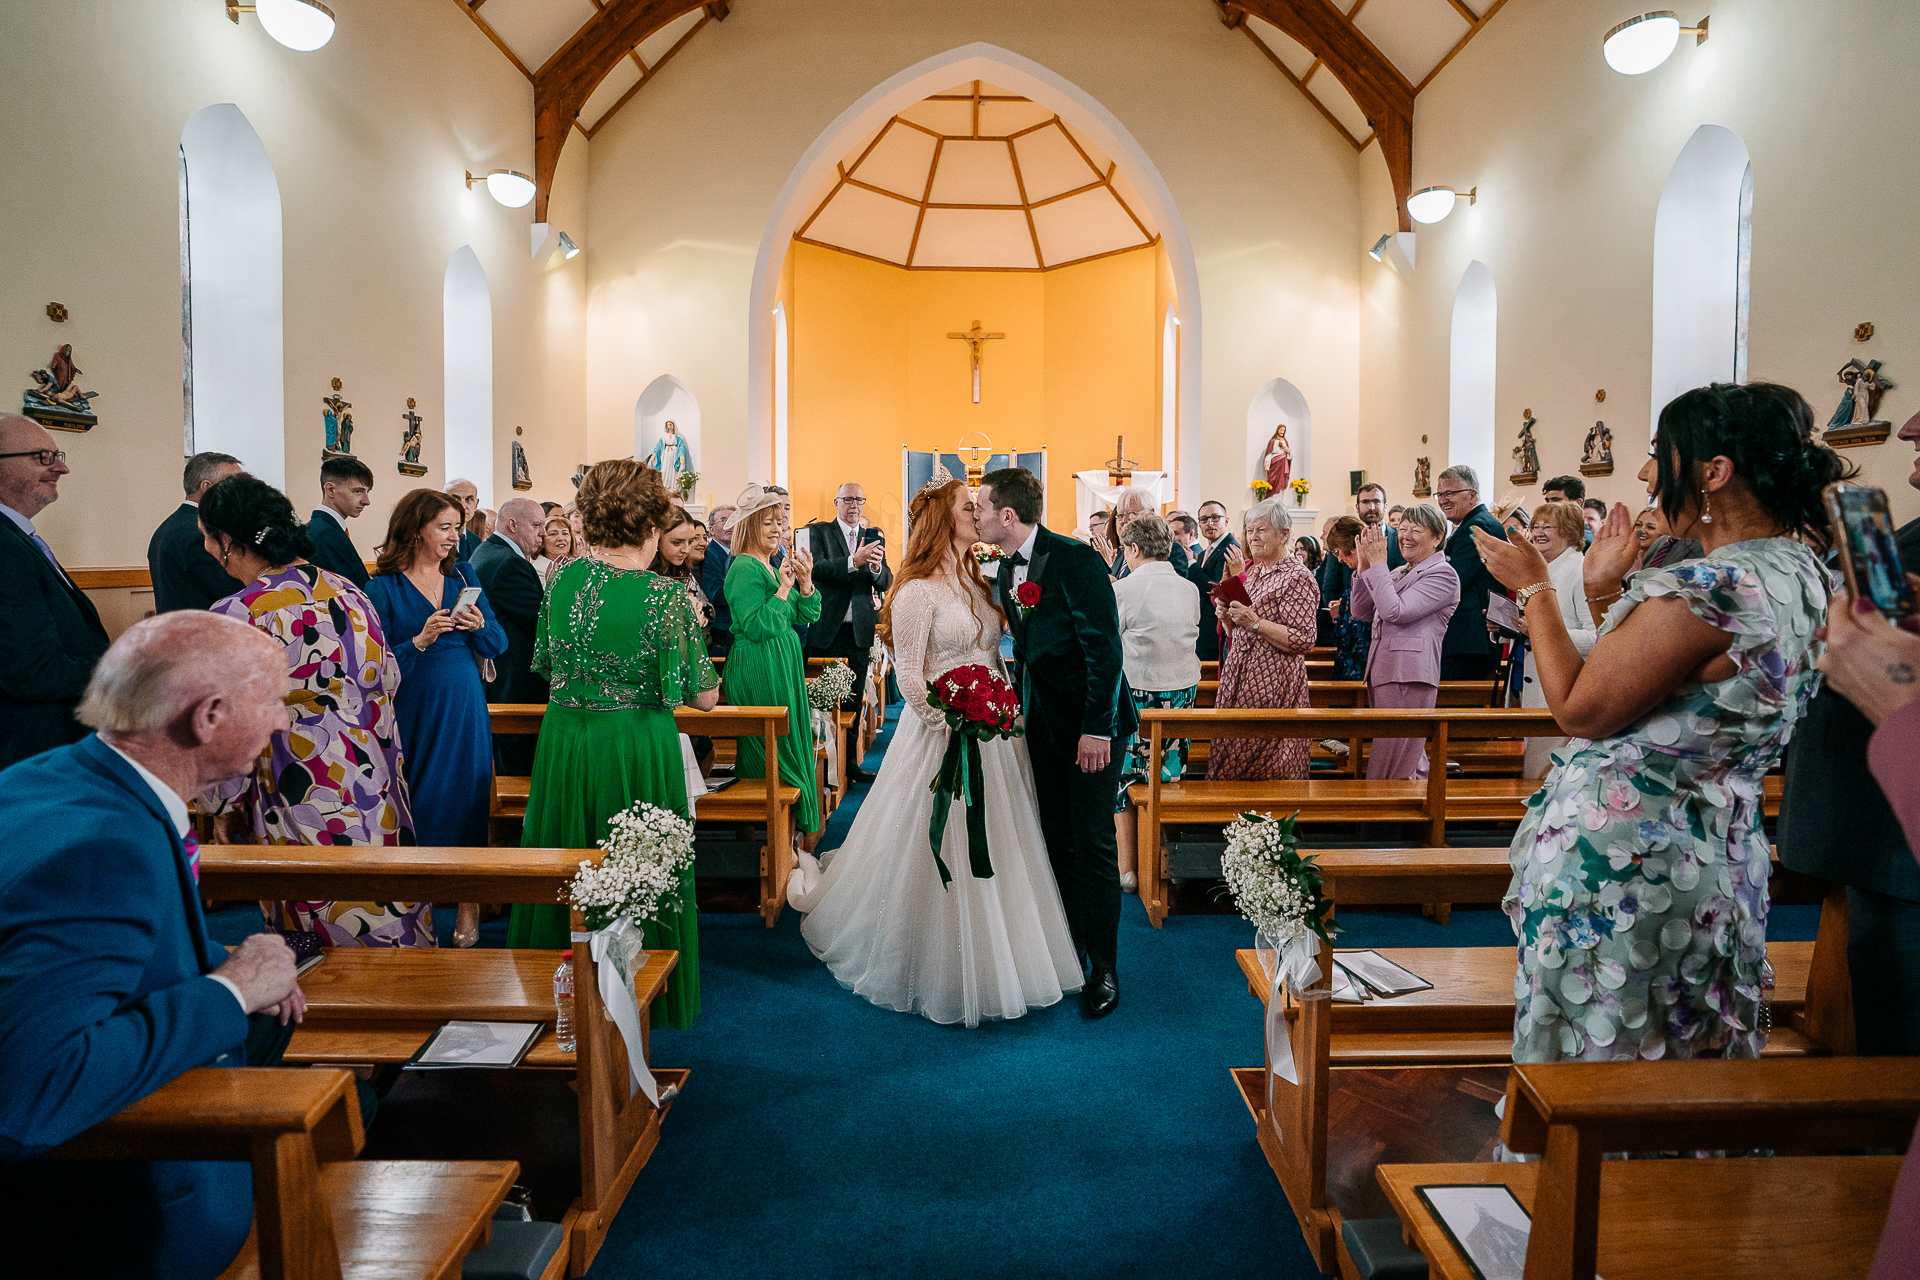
(879, 917)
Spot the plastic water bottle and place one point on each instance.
(563, 1002)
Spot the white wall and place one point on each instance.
(466, 310)
(1696, 266)
(1472, 347)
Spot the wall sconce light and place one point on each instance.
(508, 187)
(1435, 203)
(301, 25)
(568, 249)
(1640, 44)
(1394, 249)
(1379, 251)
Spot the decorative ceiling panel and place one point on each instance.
(1414, 34)
(898, 161)
(975, 238)
(943, 116)
(623, 77)
(998, 119)
(1050, 165)
(975, 173)
(536, 29)
(857, 219)
(1085, 226)
(1293, 55)
(1326, 87)
(653, 50)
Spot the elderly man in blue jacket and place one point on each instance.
(109, 985)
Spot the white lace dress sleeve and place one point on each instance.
(914, 606)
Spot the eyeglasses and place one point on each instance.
(1451, 493)
(857, 502)
(45, 457)
(1216, 518)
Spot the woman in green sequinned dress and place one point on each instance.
(621, 649)
(1639, 894)
(765, 667)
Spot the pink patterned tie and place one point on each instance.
(193, 855)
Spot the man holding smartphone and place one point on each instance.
(850, 566)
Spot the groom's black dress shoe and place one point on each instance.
(1101, 994)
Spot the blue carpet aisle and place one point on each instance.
(821, 1136)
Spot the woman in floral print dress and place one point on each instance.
(1265, 662)
(1639, 893)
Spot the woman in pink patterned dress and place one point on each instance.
(1265, 662)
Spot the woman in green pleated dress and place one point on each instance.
(765, 667)
(620, 648)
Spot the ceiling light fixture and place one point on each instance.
(1435, 203)
(511, 188)
(301, 25)
(1395, 250)
(1640, 44)
(568, 249)
(1379, 251)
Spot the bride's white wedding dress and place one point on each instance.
(878, 915)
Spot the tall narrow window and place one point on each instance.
(1702, 263)
(1170, 398)
(782, 389)
(1470, 376)
(232, 365)
(467, 334)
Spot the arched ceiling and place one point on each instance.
(977, 177)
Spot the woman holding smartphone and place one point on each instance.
(441, 629)
(1639, 894)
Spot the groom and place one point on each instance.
(1066, 652)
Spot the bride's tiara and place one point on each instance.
(941, 476)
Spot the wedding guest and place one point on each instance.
(346, 487)
(720, 527)
(504, 566)
(467, 494)
(850, 564)
(1100, 534)
(50, 633)
(1411, 608)
(1307, 547)
(1394, 514)
(1559, 530)
(620, 648)
(1186, 531)
(558, 546)
(1659, 547)
(1467, 653)
(333, 776)
(480, 525)
(1352, 638)
(1564, 489)
(416, 587)
(184, 576)
(1159, 612)
(1336, 576)
(1133, 503)
(1265, 663)
(764, 667)
(1208, 564)
(109, 985)
(1596, 512)
(674, 561)
(1685, 703)
(711, 562)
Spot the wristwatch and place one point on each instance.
(1528, 592)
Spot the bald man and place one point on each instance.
(504, 564)
(50, 633)
(109, 984)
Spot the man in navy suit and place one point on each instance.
(1207, 566)
(850, 568)
(109, 985)
(346, 487)
(514, 590)
(1371, 505)
(184, 575)
(1467, 653)
(50, 633)
(467, 494)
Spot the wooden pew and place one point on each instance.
(1466, 1020)
(1806, 1216)
(377, 1006)
(745, 800)
(318, 1213)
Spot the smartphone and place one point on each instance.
(1869, 556)
(469, 596)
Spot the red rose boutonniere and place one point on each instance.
(1026, 597)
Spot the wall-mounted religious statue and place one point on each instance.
(56, 400)
(1526, 457)
(1277, 461)
(1855, 421)
(1422, 483)
(579, 475)
(339, 424)
(672, 456)
(1596, 456)
(522, 478)
(410, 443)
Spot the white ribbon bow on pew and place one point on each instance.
(1292, 963)
(618, 954)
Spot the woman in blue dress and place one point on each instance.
(445, 737)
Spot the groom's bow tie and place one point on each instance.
(1016, 559)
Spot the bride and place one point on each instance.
(877, 915)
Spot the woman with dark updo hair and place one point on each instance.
(1639, 893)
(620, 648)
(334, 777)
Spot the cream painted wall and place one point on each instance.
(1570, 157)
(368, 138)
(684, 180)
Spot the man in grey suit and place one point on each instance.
(850, 567)
(346, 487)
(1836, 824)
(184, 575)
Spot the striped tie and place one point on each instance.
(193, 855)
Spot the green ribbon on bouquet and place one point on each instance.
(960, 774)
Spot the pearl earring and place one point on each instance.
(1706, 505)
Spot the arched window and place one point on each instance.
(233, 387)
(1470, 369)
(1170, 396)
(1702, 256)
(467, 332)
(782, 394)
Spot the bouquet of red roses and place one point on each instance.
(979, 706)
(978, 702)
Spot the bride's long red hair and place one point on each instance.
(930, 537)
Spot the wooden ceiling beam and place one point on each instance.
(564, 83)
(1385, 95)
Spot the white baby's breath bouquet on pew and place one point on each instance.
(1279, 892)
(646, 849)
(834, 685)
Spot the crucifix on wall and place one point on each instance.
(976, 343)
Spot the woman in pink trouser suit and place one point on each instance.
(1409, 608)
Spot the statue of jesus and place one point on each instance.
(1278, 461)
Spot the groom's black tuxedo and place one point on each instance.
(1066, 655)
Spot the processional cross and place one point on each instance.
(1120, 466)
(976, 343)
